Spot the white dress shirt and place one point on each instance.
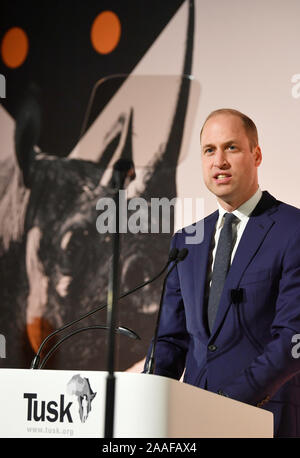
(242, 213)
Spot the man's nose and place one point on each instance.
(220, 159)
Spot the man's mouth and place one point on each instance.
(222, 177)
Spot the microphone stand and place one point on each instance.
(151, 361)
(112, 303)
(122, 170)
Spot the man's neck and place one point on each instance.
(231, 206)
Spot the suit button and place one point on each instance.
(212, 347)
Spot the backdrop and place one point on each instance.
(105, 80)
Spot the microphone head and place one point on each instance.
(123, 172)
(128, 332)
(123, 165)
(173, 254)
(182, 254)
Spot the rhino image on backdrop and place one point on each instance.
(54, 263)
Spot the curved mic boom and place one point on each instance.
(36, 360)
(120, 330)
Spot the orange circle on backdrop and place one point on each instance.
(106, 32)
(14, 47)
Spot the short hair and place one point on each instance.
(249, 125)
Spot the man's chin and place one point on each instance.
(225, 198)
(221, 192)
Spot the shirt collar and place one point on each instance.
(243, 211)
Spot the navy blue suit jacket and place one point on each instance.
(248, 355)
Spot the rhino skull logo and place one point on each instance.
(80, 387)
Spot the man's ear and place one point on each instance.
(257, 155)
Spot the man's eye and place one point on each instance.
(208, 151)
(231, 147)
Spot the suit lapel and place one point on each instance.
(254, 234)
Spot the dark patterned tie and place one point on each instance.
(220, 269)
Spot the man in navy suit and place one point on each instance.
(245, 350)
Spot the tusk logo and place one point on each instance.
(81, 388)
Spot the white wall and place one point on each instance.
(246, 53)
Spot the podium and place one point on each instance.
(52, 403)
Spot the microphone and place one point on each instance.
(123, 173)
(151, 361)
(36, 360)
(182, 254)
(120, 330)
(27, 131)
(237, 295)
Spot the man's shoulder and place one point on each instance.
(285, 218)
(286, 212)
(194, 233)
(270, 206)
(276, 209)
(211, 218)
(288, 209)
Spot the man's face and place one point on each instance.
(229, 162)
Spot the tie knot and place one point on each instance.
(229, 218)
